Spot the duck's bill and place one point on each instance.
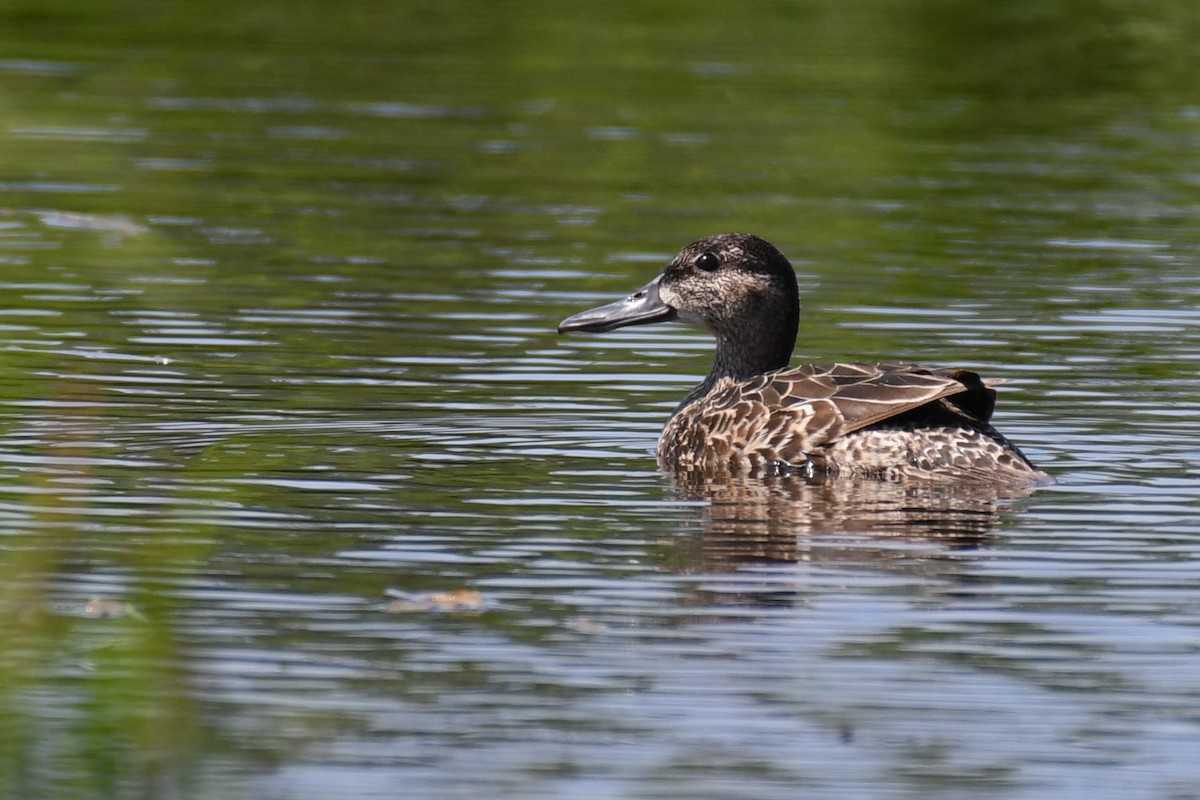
(640, 308)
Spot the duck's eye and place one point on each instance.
(708, 261)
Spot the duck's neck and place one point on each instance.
(743, 358)
(740, 358)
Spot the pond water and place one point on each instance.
(302, 494)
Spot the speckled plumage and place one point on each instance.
(876, 420)
(753, 414)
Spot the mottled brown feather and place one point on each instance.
(813, 418)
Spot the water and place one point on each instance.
(302, 494)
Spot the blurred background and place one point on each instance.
(300, 493)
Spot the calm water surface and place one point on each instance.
(302, 495)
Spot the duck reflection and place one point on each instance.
(790, 518)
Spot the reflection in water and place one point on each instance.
(775, 518)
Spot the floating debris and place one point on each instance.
(108, 608)
(90, 222)
(586, 625)
(454, 600)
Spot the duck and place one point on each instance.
(755, 414)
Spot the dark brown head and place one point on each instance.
(738, 287)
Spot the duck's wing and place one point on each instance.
(866, 394)
(789, 414)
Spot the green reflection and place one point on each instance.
(95, 691)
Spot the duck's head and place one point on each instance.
(738, 287)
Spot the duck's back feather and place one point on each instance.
(822, 416)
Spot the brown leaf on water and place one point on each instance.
(587, 625)
(454, 600)
(108, 608)
(458, 599)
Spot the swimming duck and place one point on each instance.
(755, 414)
